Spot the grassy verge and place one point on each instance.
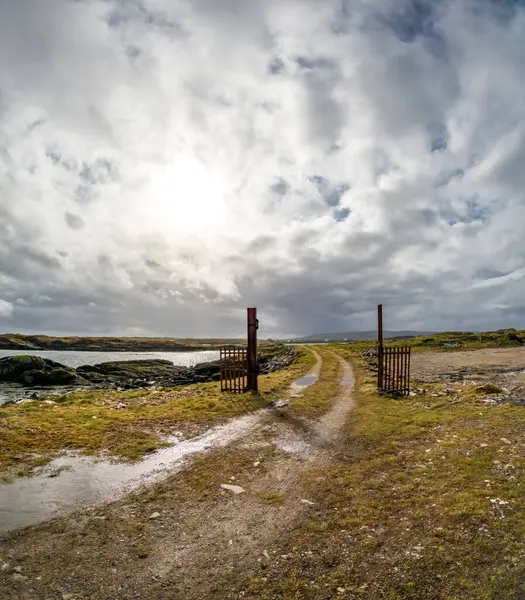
(122, 424)
(424, 501)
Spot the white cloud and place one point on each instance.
(164, 164)
(6, 309)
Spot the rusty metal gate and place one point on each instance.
(233, 367)
(393, 373)
(393, 364)
(238, 365)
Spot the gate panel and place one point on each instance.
(394, 370)
(233, 369)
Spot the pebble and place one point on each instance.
(68, 597)
(236, 489)
(256, 463)
(5, 567)
(309, 502)
(19, 577)
(341, 590)
(18, 569)
(154, 515)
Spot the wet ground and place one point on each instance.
(72, 481)
(175, 539)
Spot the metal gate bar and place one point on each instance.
(394, 370)
(233, 369)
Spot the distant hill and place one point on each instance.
(358, 336)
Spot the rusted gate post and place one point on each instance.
(380, 347)
(251, 355)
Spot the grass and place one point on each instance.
(460, 340)
(126, 425)
(423, 501)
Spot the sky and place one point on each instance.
(166, 163)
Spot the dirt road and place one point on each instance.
(187, 537)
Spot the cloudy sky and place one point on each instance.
(166, 163)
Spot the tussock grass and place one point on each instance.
(126, 425)
(424, 501)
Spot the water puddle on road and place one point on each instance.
(70, 482)
(305, 381)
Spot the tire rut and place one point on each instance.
(219, 539)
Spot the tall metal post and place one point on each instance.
(380, 381)
(252, 368)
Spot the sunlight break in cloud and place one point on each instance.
(164, 164)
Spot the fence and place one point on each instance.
(393, 375)
(233, 369)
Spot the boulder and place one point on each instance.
(131, 374)
(34, 370)
(208, 369)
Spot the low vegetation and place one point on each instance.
(123, 424)
(112, 344)
(461, 340)
(423, 501)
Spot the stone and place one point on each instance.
(309, 502)
(34, 370)
(19, 577)
(279, 404)
(154, 515)
(236, 489)
(68, 597)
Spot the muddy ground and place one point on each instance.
(502, 367)
(191, 536)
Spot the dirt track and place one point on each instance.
(183, 536)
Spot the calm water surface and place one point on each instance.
(78, 358)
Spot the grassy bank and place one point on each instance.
(424, 501)
(123, 424)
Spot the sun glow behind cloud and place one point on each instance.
(165, 163)
(186, 196)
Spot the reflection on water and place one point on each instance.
(72, 358)
(305, 381)
(83, 481)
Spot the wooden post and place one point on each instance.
(380, 382)
(251, 362)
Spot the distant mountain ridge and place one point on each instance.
(358, 336)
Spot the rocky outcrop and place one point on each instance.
(34, 370)
(286, 357)
(130, 374)
(137, 373)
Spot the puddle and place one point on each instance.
(305, 381)
(83, 481)
(71, 481)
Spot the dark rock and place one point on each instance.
(207, 369)
(34, 370)
(286, 357)
(131, 374)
